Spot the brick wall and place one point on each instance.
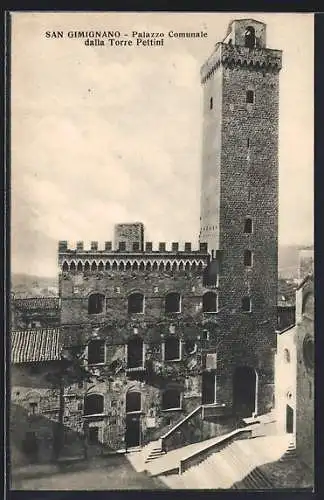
(239, 180)
(129, 234)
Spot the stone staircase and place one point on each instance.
(290, 453)
(154, 453)
(234, 467)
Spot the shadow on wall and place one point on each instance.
(33, 439)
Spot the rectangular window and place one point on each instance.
(250, 97)
(246, 304)
(211, 103)
(96, 352)
(248, 258)
(171, 349)
(136, 246)
(122, 246)
(248, 226)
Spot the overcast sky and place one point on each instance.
(103, 135)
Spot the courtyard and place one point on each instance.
(102, 473)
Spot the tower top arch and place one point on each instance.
(248, 33)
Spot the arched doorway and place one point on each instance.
(133, 419)
(245, 391)
(289, 419)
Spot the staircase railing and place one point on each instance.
(176, 436)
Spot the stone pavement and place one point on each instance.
(109, 473)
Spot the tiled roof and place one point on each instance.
(286, 293)
(30, 346)
(37, 303)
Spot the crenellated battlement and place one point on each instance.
(226, 54)
(162, 247)
(164, 257)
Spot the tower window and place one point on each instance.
(246, 304)
(248, 225)
(96, 352)
(247, 258)
(249, 37)
(96, 303)
(136, 303)
(210, 302)
(172, 303)
(248, 142)
(250, 97)
(211, 103)
(172, 349)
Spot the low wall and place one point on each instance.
(201, 455)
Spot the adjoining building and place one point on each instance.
(294, 399)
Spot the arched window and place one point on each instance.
(133, 401)
(136, 303)
(72, 267)
(96, 352)
(171, 399)
(142, 266)
(135, 352)
(148, 266)
(308, 352)
(93, 266)
(161, 267)
(246, 304)
(65, 267)
(135, 266)
(286, 356)
(87, 266)
(114, 266)
(79, 267)
(121, 266)
(172, 303)
(93, 404)
(172, 349)
(249, 37)
(107, 266)
(96, 303)
(100, 266)
(210, 302)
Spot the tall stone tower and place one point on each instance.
(239, 203)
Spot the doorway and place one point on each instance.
(289, 419)
(244, 391)
(133, 431)
(208, 391)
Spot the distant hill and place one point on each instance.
(26, 285)
(288, 260)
